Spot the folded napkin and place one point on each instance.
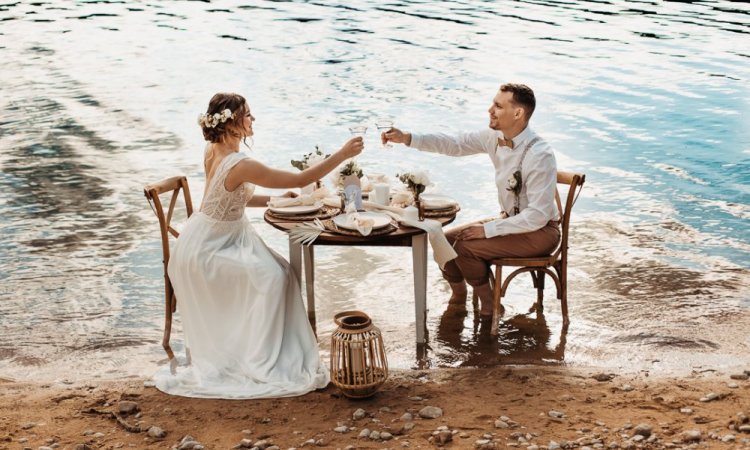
(362, 224)
(304, 199)
(285, 202)
(402, 198)
(442, 250)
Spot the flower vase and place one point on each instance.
(420, 208)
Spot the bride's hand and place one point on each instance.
(353, 147)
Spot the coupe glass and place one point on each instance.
(358, 130)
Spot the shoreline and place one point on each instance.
(498, 407)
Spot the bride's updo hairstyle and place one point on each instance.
(216, 130)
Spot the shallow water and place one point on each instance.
(98, 98)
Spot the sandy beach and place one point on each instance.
(529, 407)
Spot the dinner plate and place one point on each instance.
(380, 220)
(437, 201)
(299, 209)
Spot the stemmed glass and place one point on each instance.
(358, 130)
(384, 124)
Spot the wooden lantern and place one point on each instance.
(358, 363)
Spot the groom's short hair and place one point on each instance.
(522, 95)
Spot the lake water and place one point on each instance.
(98, 98)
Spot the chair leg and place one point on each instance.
(564, 293)
(496, 299)
(168, 327)
(540, 291)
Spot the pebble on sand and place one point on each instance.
(430, 412)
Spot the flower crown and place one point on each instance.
(212, 120)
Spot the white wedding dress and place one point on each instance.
(245, 326)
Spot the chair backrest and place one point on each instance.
(153, 192)
(575, 182)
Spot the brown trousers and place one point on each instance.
(472, 263)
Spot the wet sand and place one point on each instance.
(540, 405)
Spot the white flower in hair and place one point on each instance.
(212, 120)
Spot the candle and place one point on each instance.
(382, 191)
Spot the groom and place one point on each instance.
(526, 178)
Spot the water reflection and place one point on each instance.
(465, 340)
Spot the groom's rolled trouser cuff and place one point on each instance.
(472, 263)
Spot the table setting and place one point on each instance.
(347, 212)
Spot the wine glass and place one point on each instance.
(384, 124)
(358, 130)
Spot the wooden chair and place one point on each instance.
(539, 266)
(152, 192)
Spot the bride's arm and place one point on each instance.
(255, 172)
(262, 200)
(258, 200)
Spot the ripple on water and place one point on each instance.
(91, 110)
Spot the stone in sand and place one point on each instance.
(430, 412)
(156, 432)
(710, 397)
(358, 414)
(126, 407)
(691, 436)
(603, 377)
(643, 429)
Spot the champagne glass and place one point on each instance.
(384, 124)
(358, 130)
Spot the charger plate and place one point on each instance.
(447, 212)
(331, 226)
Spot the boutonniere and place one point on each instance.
(515, 183)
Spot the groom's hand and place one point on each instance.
(395, 135)
(472, 232)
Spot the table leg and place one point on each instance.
(308, 253)
(295, 260)
(419, 258)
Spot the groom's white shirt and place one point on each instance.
(539, 174)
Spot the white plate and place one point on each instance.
(437, 201)
(380, 220)
(299, 209)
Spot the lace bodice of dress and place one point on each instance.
(218, 203)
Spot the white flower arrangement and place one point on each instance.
(350, 168)
(417, 181)
(212, 120)
(310, 159)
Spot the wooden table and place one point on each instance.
(402, 237)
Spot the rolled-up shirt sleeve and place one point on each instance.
(540, 186)
(462, 144)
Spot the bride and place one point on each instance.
(243, 318)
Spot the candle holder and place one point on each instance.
(358, 363)
(420, 208)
